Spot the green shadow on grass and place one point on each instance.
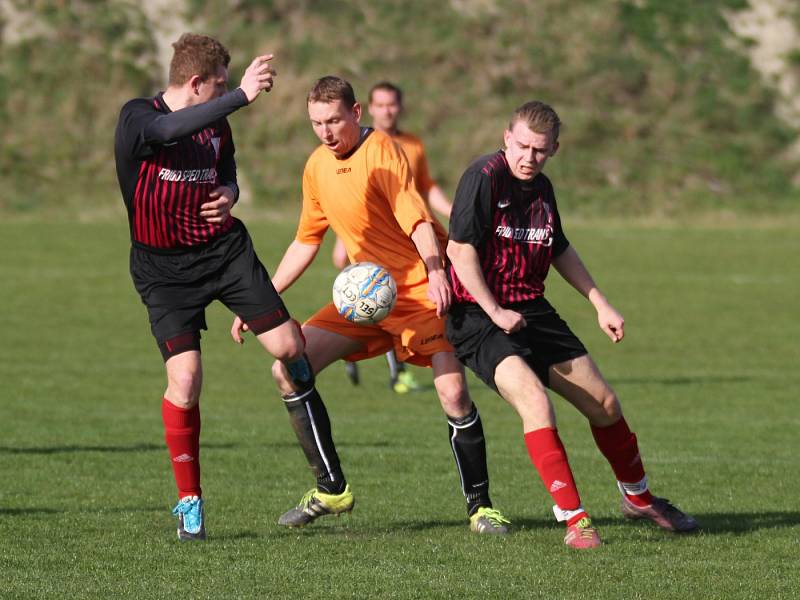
(345, 444)
(681, 380)
(724, 523)
(28, 511)
(710, 524)
(98, 448)
(352, 525)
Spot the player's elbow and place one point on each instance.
(454, 251)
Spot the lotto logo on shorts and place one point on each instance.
(432, 338)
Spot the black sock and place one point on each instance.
(469, 449)
(395, 366)
(313, 429)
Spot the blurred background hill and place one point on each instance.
(671, 108)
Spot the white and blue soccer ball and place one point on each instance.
(364, 293)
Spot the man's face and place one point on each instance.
(527, 151)
(213, 86)
(384, 110)
(336, 125)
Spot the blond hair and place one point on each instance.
(539, 117)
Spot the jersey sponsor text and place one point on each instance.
(535, 235)
(188, 175)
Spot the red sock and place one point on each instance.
(550, 459)
(618, 444)
(182, 433)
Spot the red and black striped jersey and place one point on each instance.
(514, 226)
(167, 165)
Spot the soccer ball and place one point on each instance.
(364, 293)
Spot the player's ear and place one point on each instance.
(507, 138)
(555, 148)
(194, 83)
(357, 111)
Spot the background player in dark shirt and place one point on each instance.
(505, 232)
(176, 170)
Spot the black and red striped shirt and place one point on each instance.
(514, 226)
(167, 165)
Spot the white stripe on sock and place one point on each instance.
(566, 515)
(458, 463)
(300, 397)
(633, 489)
(319, 444)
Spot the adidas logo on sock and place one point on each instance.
(183, 458)
(557, 485)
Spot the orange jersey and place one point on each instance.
(369, 200)
(415, 152)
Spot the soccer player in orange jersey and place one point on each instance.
(358, 183)
(385, 107)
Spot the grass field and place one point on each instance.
(707, 375)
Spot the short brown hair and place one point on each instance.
(331, 89)
(539, 117)
(196, 55)
(387, 86)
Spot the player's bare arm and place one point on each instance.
(465, 260)
(258, 77)
(439, 291)
(295, 261)
(570, 266)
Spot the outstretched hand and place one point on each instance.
(237, 328)
(258, 77)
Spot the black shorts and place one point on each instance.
(177, 287)
(481, 345)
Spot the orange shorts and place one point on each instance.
(412, 329)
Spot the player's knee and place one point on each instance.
(184, 388)
(288, 348)
(529, 402)
(286, 343)
(301, 374)
(611, 406)
(279, 374)
(455, 399)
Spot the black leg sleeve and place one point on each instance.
(312, 426)
(469, 450)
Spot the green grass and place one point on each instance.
(707, 375)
